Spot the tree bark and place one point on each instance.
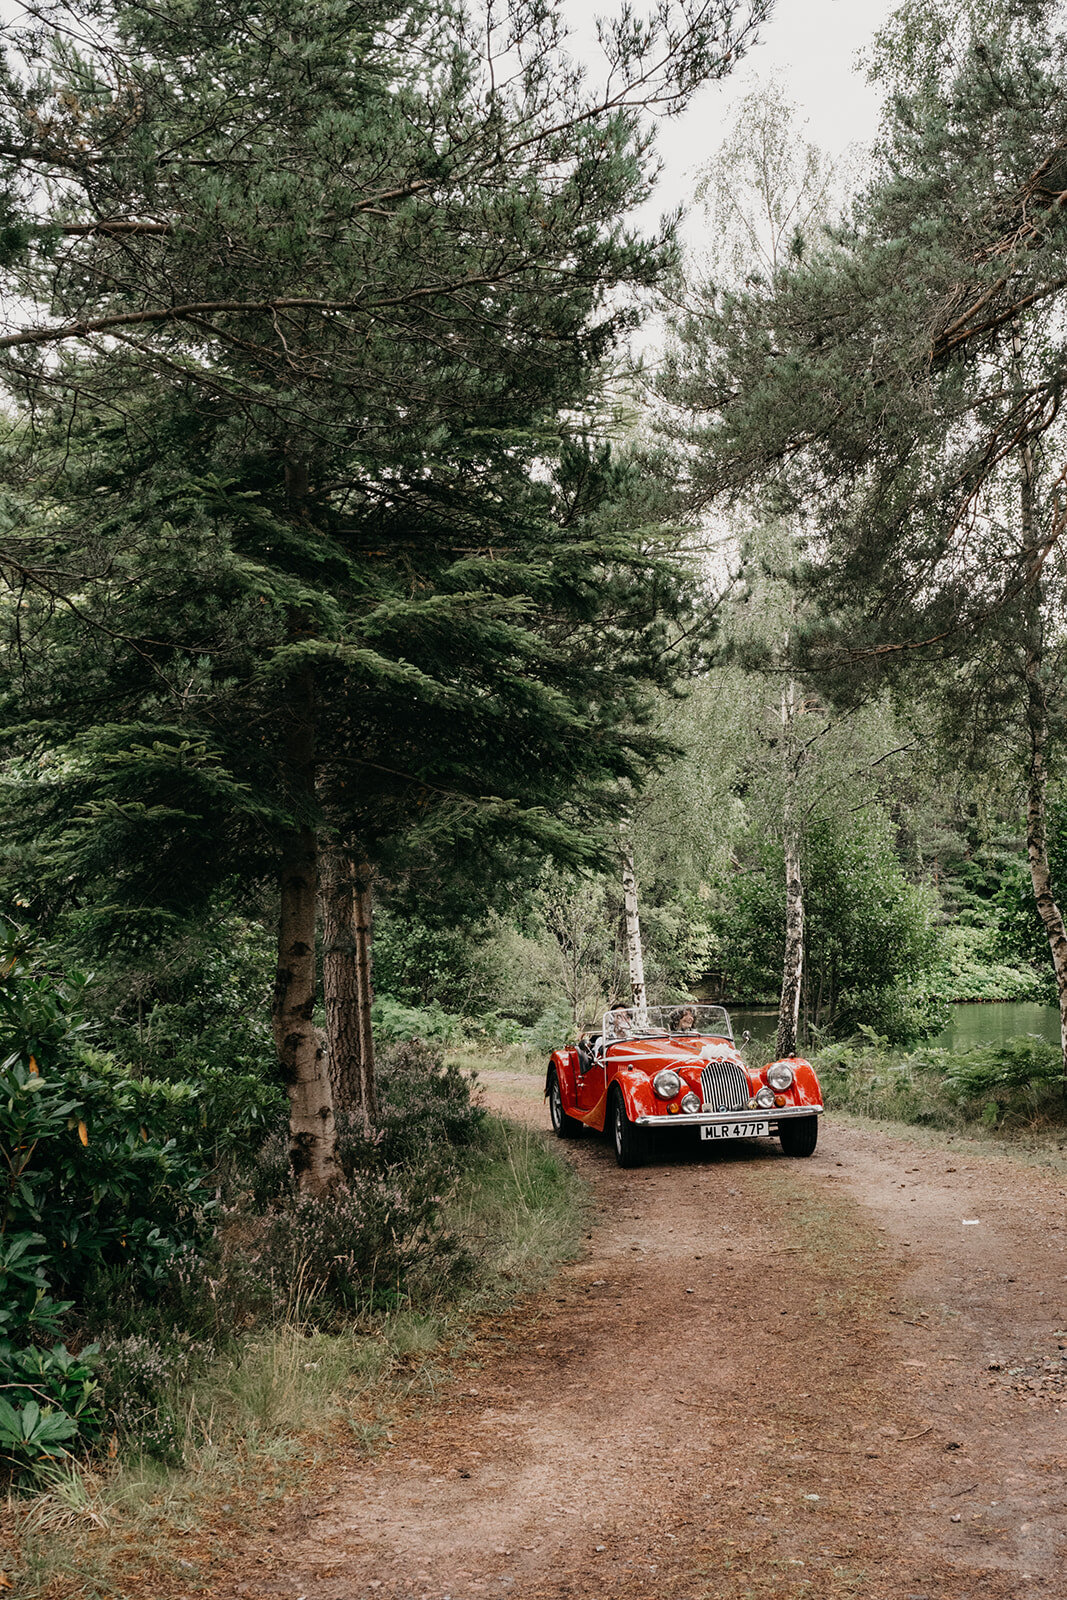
(634, 952)
(793, 963)
(347, 980)
(312, 1140)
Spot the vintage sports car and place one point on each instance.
(667, 1068)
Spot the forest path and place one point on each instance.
(825, 1378)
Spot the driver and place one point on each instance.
(621, 1023)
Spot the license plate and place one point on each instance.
(734, 1130)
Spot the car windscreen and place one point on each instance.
(651, 1022)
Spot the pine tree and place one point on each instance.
(325, 279)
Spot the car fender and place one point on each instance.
(805, 1090)
(565, 1063)
(638, 1096)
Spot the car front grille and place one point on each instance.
(723, 1087)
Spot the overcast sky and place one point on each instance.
(812, 46)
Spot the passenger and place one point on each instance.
(687, 1021)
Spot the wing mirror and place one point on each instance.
(745, 1037)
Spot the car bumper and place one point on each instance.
(705, 1119)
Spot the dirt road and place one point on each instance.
(838, 1377)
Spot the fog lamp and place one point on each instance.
(765, 1099)
(691, 1102)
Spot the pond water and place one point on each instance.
(970, 1025)
(994, 1022)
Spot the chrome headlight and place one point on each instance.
(667, 1084)
(691, 1102)
(764, 1098)
(780, 1076)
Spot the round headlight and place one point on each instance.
(780, 1076)
(691, 1102)
(667, 1084)
(764, 1098)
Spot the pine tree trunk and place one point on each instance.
(363, 901)
(634, 953)
(347, 943)
(312, 1143)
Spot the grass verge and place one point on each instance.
(272, 1416)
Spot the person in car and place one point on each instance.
(621, 1023)
(686, 1021)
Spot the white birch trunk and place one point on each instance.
(634, 953)
(793, 963)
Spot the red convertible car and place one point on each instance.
(665, 1068)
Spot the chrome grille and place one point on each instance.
(723, 1087)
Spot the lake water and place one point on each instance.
(993, 1023)
(971, 1025)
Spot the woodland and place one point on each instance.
(383, 641)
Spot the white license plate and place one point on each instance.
(735, 1130)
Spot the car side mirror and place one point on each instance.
(745, 1037)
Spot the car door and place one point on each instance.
(590, 1083)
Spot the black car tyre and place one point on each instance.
(563, 1126)
(630, 1142)
(799, 1136)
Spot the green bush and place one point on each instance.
(392, 1021)
(974, 968)
(1017, 1084)
(97, 1183)
(553, 1029)
(49, 1398)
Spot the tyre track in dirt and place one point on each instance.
(766, 1377)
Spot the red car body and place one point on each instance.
(645, 1074)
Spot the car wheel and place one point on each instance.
(629, 1141)
(563, 1126)
(799, 1136)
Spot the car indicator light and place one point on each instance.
(779, 1099)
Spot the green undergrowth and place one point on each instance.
(1009, 1090)
(252, 1423)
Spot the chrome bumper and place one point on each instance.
(717, 1119)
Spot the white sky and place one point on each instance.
(812, 46)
